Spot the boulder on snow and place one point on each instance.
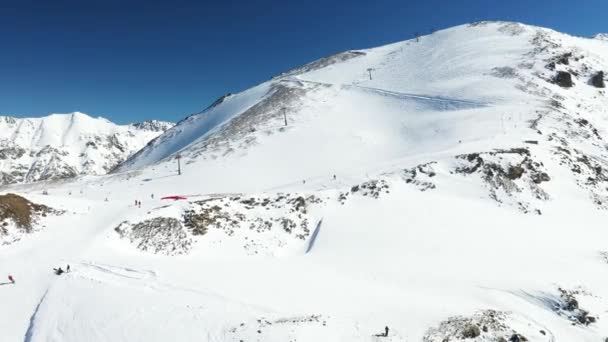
(471, 331)
(540, 177)
(517, 338)
(515, 172)
(568, 306)
(563, 79)
(598, 80)
(564, 59)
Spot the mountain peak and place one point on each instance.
(601, 36)
(63, 145)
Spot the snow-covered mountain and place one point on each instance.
(61, 146)
(601, 36)
(449, 187)
(440, 95)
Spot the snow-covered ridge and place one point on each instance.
(66, 145)
(601, 36)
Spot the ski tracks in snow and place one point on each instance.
(148, 279)
(437, 102)
(30, 328)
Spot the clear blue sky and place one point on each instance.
(135, 60)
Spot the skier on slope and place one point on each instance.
(11, 279)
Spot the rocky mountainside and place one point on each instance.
(62, 146)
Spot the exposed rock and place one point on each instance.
(590, 173)
(19, 216)
(13, 152)
(287, 217)
(504, 72)
(517, 338)
(597, 80)
(604, 256)
(420, 176)
(22, 212)
(266, 325)
(373, 188)
(563, 79)
(153, 125)
(164, 235)
(237, 134)
(564, 58)
(515, 172)
(471, 331)
(568, 306)
(323, 62)
(494, 328)
(540, 177)
(506, 173)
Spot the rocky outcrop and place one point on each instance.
(372, 189)
(21, 212)
(597, 80)
(323, 62)
(152, 126)
(488, 325)
(161, 235)
(563, 79)
(19, 217)
(568, 306)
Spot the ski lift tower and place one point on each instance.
(284, 110)
(179, 166)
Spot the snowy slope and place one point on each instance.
(458, 194)
(424, 97)
(66, 145)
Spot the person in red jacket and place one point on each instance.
(11, 279)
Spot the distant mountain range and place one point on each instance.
(62, 146)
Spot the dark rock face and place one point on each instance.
(563, 79)
(598, 80)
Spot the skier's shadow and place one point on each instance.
(5, 283)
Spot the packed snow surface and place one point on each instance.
(449, 187)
